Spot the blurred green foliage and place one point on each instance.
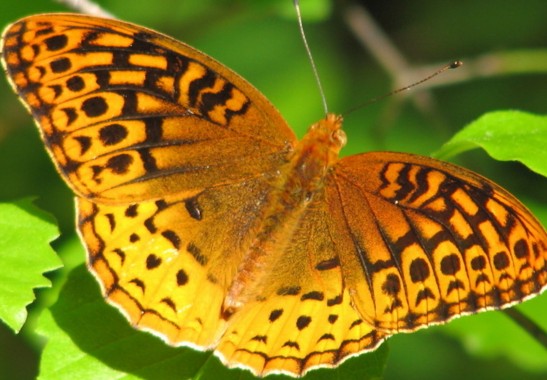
(260, 40)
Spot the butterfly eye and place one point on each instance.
(339, 137)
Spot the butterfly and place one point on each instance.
(208, 224)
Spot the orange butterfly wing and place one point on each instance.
(193, 195)
(129, 114)
(426, 241)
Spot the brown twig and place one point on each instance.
(87, 7)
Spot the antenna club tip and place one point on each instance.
(455, 64)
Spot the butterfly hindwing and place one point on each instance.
(303, 315)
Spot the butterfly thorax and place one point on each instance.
(298, 183)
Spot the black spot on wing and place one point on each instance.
(94, 106)
(60, 65)
(112, 134)
(75, 83)
(275, 314)
(152, 261)
(196, 252)
(193, 208)
(288, 291)
(172, 237)
(57, 42)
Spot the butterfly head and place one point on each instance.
(321, 146)
(316, 154)
(328, 132)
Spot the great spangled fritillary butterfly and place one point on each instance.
(209, 224)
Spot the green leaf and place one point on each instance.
(506, 136)
(25, 255)
(494, 334)
(88, 339)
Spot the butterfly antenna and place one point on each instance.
(451, 65)
(310, 56)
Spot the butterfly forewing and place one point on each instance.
(128, 114)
